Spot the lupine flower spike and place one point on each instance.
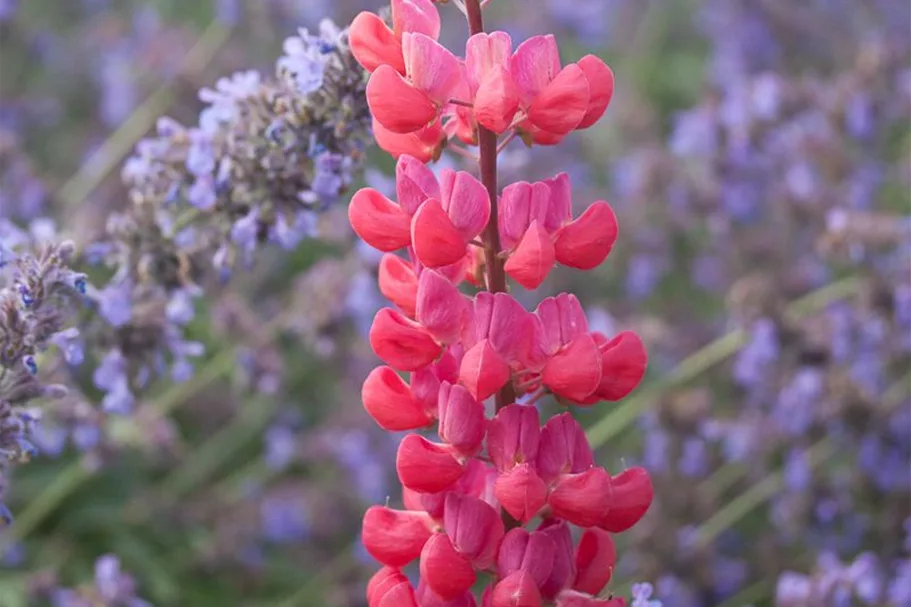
(493, 494)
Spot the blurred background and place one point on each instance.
(757, 154)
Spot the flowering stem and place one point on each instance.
(487, 161)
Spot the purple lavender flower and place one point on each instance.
(642, 596)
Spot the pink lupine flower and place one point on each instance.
(382, 223)
(492, 87)
(391, 403)
(462, 422)
(537, 227)
(390, 588)
(433, 77)
(398, 283)
(531, 552)
(469, 497)
(425, 144)
(475, 528)
(372, 42)
(446, 572)
(426, 467)
(401, 342)
(516, 589)
(632, 496)
(596, 556)
(623, 364)
(395, 537)
(582, 499)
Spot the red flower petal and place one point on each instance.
(395, 537)
(601, 89)
(532, 260)
(563, 103)
(586, 242)
(437, 242)
(446, 572)
(425, 144)
(582, 499)
(623, 364)
(396, 104)
(378, 221)
(483, 371)
(402, 343)
(389, 401)
(518, 589)
(398, 283)
(575, 371)
(596, 556)
(373, 44)
(425, 466)
(497, 101)
(521, 492)
(390, 588)
(633, 493)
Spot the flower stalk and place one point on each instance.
(470, 496)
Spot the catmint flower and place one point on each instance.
(38, 295)
(267, 153)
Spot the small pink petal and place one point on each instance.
(586, 242)
(431, 67)
(562, 104)
(466, 201)
(601, 89)
(436, 241)
(534, 65)
(397, 104)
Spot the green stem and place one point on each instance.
(306, 593)
(62, 486)
(756, 495)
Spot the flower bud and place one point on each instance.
(521, 492)
(483, 371)
(462, 421)
(532, 553)
(513, 435)
(475, 528)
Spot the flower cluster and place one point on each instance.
(470, 495)
(763, 154)
(266, 156)
(111, 587)
(421, 94)
(38, 295)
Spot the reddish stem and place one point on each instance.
(487, 160)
